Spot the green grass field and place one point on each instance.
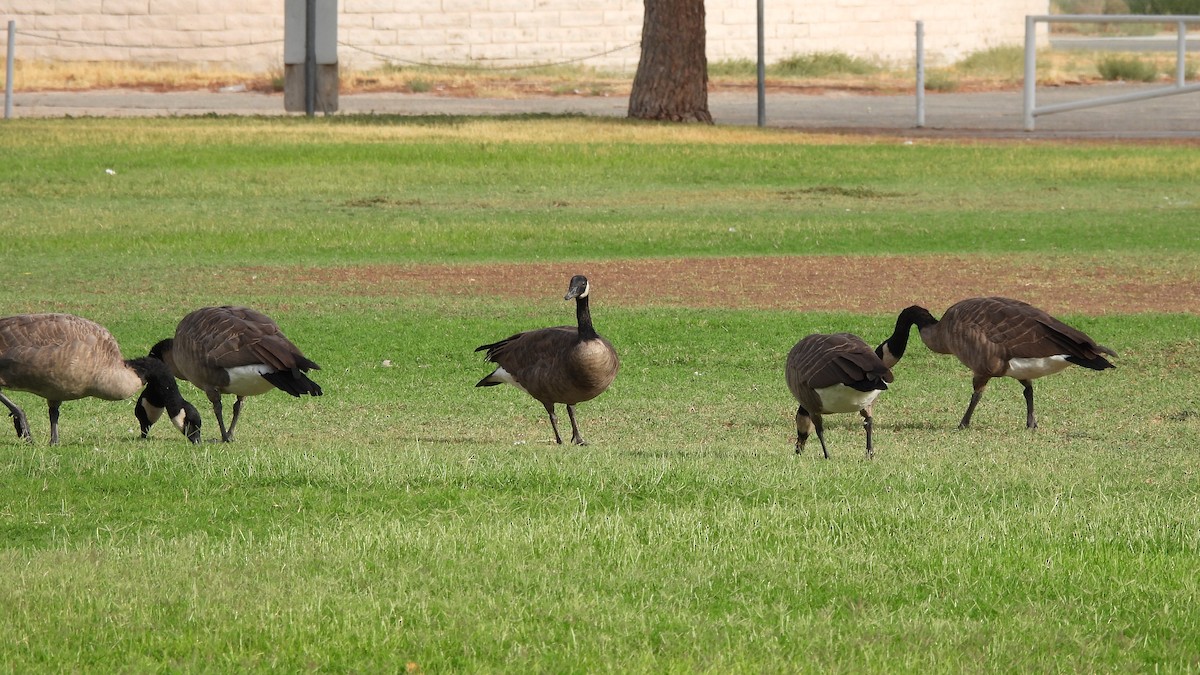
(409, 521)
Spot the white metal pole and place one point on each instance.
(1181, 56)
(920, 74)
(8, 69)
(310, 57)
(1030, 70)
(762, 70)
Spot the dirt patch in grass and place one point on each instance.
(866, 284)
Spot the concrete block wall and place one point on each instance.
(238, 34)
(247, 35)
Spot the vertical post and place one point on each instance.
(310, 57)
(8, 69)
(1180, 55)
(920, 74)
(762, 70)
(1030, 70)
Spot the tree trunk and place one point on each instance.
(672, 75)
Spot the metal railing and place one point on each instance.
(1180, 86)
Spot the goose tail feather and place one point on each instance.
(293, 382)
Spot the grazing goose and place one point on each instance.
(564, 364)
(836, 373)
(998, 337)
(235, 350)
(62, 357)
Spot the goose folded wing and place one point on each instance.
(1047, 336)
(1078, 347)
(240, 337)
(279, 354)
(531, 346)
(864, 372)
(841, 359)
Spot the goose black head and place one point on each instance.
(579, 288)
(892, 349)
(187, 420)
(162, 395)
(160, 349)
(182, 414)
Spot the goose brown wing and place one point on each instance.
(1009, 328)
(1021, 330)
(536, 359)
(59, 357)
(228, 337)
(998, 327)
(1072, 341)
(529, 346)
(39, 331)
(28, 343)
(843, 358)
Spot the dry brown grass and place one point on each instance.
(79, 76)
(1054, 68)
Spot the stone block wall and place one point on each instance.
(247, 35)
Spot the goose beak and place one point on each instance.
(579, 288)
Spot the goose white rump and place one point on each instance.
(249, 380)
(1031, 369)
(842, 399)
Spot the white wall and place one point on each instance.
(247, 34)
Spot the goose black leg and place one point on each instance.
(1030, 420)
(817, 422)
(575, 437)
(20, 423)
(215, 398)
(553, 422)
(54, 421)
(237, 410)
(802, 425)
(867, 424)
(980, 383)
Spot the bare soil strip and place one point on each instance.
(863, 284)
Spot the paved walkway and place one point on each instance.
(990, 114)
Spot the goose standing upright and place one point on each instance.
(998, 337)
(63, 357)
(836, 373)
(235, 350)
(563, 364)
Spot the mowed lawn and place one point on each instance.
(407, 521)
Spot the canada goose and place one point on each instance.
(62, 357)
(564, 364)
(235, 350)
(998, 337)
(836, 373)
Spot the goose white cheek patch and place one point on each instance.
(179, 419)
(152, 412)
(887, 358)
